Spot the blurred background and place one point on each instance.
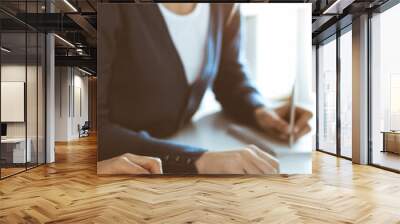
(273, 51)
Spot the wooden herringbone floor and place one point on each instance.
(70, 192)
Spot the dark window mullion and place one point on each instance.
(338, 95)
(369, 90)
(26, 87)
(37, 90)
(1, 163)
(317, 96)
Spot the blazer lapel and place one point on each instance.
(161, 35)
(209, 61)
(209, 70)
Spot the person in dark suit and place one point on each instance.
(155, 63)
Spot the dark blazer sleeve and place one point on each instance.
(115, 139)
(232, 87)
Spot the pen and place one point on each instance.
(292, 118)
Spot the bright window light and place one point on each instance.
(70, 6)
(64, 41)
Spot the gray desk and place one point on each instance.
(211, 132)
(13, 150)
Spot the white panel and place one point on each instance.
(12, 101)
(50, 92)
(77, 112)
(360, 90)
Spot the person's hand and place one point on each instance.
(276, 122)
(249, 160)
(129, 164)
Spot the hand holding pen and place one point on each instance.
(275, 122)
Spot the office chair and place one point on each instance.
(84, 130)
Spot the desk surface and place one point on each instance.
(212, 132)
(391, 132)
(13, 140)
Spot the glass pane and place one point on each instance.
(14, 153)
(346, 94)
(41, 98)
(31, 97)
(327, 97)
(386, 89)
(32, 88)
(23, 90)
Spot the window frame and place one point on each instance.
(27, 29)
(334, 37)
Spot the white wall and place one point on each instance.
(16, 73)
(11, 73)
(81, 97)
(33, 127)
(62, 81)
(71, 94)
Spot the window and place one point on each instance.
(394, 102)
(385, 89)
(327, 96)
(346, 94)
(335, 94)
(22, 78)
